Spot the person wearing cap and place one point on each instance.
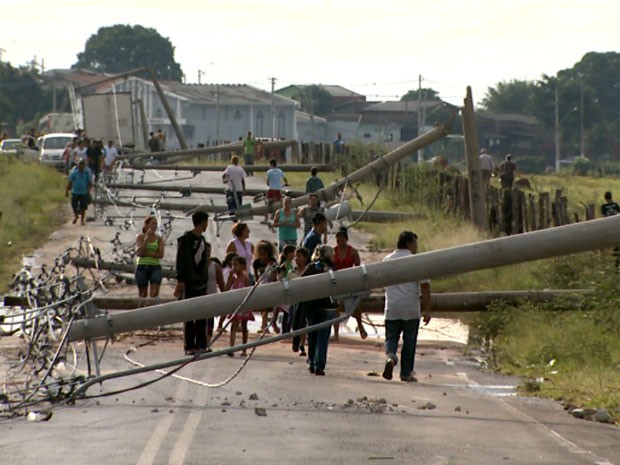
(507, 171)
(79, 183)
(405, 305)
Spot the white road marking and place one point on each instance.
(177, 456)
(567, 444)
(149, 453)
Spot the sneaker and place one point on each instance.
(409, 379)
(311, 369)
(389, 368)
(190, 351)
(319, 372)
(302, 353)
(296, 347)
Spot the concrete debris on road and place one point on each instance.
(43, 415)
(260, 411)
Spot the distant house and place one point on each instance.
(213, 113)
(393, 121)
(508, 132)
(311, 128)
(206, 114)
(344, 118)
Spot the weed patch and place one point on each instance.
(30, 206)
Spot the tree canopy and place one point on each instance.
(315, 99)
(588, 95)
(22, 97)
(513, 96)
(120, 48)
(427, 94)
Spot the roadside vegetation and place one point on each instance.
(31, 208)
(568, 349)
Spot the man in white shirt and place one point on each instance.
(81, 152)
(110, 154)
(486, 166)
(403, 311)
(234, 175)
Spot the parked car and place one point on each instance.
(10, 146)
(52, 146)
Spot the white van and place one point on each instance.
(52, 146)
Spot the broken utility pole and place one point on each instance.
(477, 189)
(563, 240)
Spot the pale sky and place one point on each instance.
(374, 47)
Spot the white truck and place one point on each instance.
(109, 117)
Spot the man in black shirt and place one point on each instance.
(611, 208)
(192, 272)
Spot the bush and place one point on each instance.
(359, 155)
(531, 165)
(571, 346)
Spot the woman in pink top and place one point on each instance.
(237, 280)
(241, 245)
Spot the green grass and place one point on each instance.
(30, 206)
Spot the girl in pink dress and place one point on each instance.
(238, 279)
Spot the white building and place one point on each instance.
(212, 113)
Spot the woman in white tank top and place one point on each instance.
(241, 245)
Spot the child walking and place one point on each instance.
(237, 279)
(286, 266)
(226, 270)
(265, 263)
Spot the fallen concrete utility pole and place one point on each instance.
(369, 216)
(194, 189)
(191, 153)
(375, 167)
(111, 266)
(250, 169)
(448, 302)
(563, 240)
(458, 302)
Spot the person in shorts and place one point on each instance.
(149, 252)
(275, 182)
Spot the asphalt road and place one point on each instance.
(346, 417)
(309, 419)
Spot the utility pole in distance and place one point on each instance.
(273, 107)
(557, 126)
(420, 152)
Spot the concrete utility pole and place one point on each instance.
(328, 193)
(217, 114)
(563, 240)
(477, 189)
(420, 152)
(273, 107)
(375, 167)
(582, 142)
(177, 155)
(557, 126)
